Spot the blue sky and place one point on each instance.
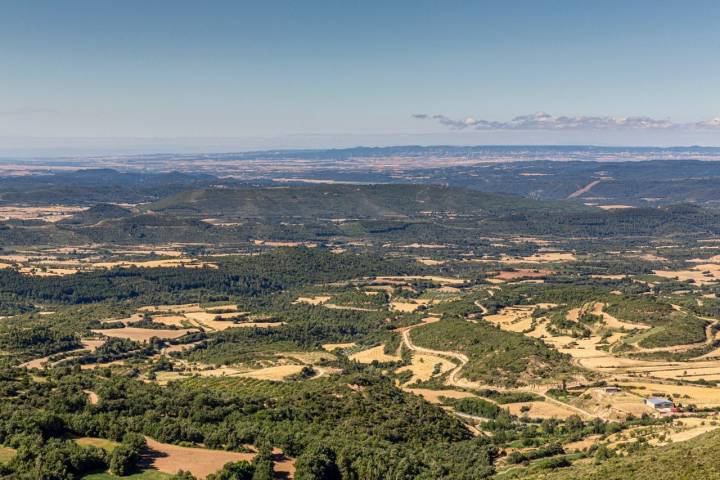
(316, 73)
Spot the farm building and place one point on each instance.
(659, 403)
(612, 390)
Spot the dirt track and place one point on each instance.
(452, 378)
(585, 189)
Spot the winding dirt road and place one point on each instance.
(452, 378)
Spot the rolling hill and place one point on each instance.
(688, 460)
(350, 201)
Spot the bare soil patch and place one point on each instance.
(201, 462)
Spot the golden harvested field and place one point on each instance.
(172, 320)
(179, 348)
(541, 409)
(316, 300)
(546, 257)
(143, 334)
(192, 315)
(374, 353)
(422, 367)
(686, 429)
(581, 445)
(508, 275)
(614, 207)
(614, 406)
(50, 213)
(307, 357)
(269, 243)
(408, 305)
(698, 395)
(514, 319)
(411, 278)
(433, 396)
(163, 378)
(167, 263)
(680, 430)
(332, 306)
(613, 322)
(87, 344)
(182, 308)
(48, 272)
(201, 462)
(277, 373)
(429, 261)
(703, 274)
(49, 262)
(214, 321)
(337, 346)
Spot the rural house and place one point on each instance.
(659, 403)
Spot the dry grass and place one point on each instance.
(702, 274)
(698, 395)
(433, 396)
(508, 275)
(50, 213)
(182, 308)
(422, 367)
(614, 406)
(316, 300)
(332, 306)
(166, 263)
(6, 454)
(613, 322)
(277, 373)
(213, 321)
(541, 409)
(201, 462)
(337, 346)
(405, 279)
(581, 445)
(107, 445)
(615, 207)
(171, 320)
(93, 397)
(374, 353)
(142, 334)
(545, 257)
(408, 305)
(429, 261)
(514, 319)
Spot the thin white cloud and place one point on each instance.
(545, 121)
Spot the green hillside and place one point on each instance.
(349, 201)
(691, 460)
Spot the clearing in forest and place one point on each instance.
(513, 319)
(424, 366)
(277, 373)
(201, 462)
(143, 334)
(372, 354)
(540, 409)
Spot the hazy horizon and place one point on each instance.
(48, 148)
(92, 77)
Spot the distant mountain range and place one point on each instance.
(609, 177)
